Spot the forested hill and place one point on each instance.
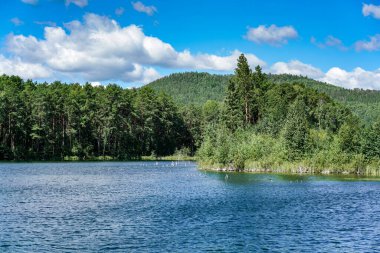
(197, 88)
(193, 87)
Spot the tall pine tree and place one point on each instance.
(244, 95)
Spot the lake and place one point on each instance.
(173, 207)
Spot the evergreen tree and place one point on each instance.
(243, 83)
(245, 95)
(259, 89)
(233, 116)
(57, 120)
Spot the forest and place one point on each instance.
(60, 121)
(248, 121)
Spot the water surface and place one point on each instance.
(173, 207)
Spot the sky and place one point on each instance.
(135, 42)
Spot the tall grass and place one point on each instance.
(250, 151)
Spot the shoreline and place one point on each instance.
(289, 170)
(292, 171)
(143, 159)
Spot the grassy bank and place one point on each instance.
(251, 152)
(372, 170)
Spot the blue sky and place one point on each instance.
(134, 42)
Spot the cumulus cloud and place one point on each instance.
(296, 68)
(80, 3)
(330, 41)
(140, 7)
(371, 10)
(99, 49)
(15, 66)
(357, 78)
(372, 45)
(30, 1)
(272, 35)
(16, 21)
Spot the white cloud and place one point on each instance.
(296, 68)
(372, 45)
(99, 49)
(371, 10)
(15, 66)
(80, 3)
(140, 7)
(272, 35)
(330, 41)
(119, 11)
(358, 78)
(16, 21)
(30, 1)
(96, 84)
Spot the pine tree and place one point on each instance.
(244, 99)
(233, 113)
(259, 88)
(244, 87)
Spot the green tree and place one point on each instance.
(349, 137)
(233, 115)
(371, 141)
(295, 132)
(243, 83)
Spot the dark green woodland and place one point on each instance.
(62, 121)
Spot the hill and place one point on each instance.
(193, 87)
(196, 88)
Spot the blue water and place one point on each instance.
(165, 207)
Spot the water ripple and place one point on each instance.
(158, 207)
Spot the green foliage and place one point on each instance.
(197, 88)
(249, 121)
(349, 138)
(233, 115)
(295, 131)
(192, 87)
(70, 121)
(371, 141)
(244, 100)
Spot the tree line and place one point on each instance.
(70, 121)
